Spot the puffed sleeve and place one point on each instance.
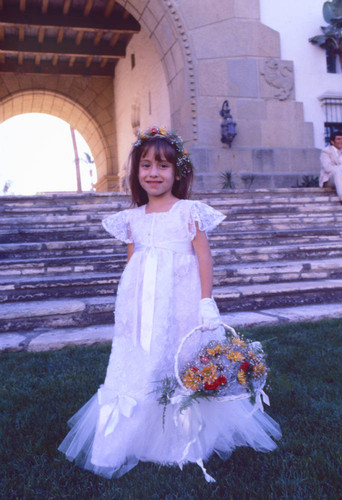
(118, 226)
(206, 217)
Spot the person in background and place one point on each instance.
(331, 164)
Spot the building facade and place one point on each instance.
(183, 59)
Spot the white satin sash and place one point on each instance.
(149, 284)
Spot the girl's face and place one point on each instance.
(156, 174)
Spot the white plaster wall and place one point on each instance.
(297, 21)
(143, 87)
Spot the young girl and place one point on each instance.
(164, 292)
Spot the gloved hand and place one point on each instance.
(209, 313)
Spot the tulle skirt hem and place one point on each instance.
(192, 436)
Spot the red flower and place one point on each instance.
(213, 386)
(222, 380)
(195, 369)
(154, 131)
(244, 366)
(204, 359)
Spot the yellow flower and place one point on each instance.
(259, 370)
(242, 378)
(218, 349)
(239, 342)
(208, 373)
(191, 380)
(162, 131)
(234, 356)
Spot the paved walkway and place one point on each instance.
(47, 340)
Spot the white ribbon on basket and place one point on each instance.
(187, 417)
(149, 283)
(191, 421)
(112, 407)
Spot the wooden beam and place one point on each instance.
(21, 33)
(109, 8)
(72, 61)
(89, 60)
(37, 59)
(60, 35)
(98, 37)
(11, 44)
(79, 36)
(2, 58)
(45, 6)
(54, 19)
(20, 58)
(114, 39)
(22, 5)
(66, 6)
(87, 8)
(41, 34)
(54, 60)
(103, 62)
(62, 68)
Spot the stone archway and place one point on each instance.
(86, 103)
(52, 103)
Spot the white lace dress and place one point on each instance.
(157, 305)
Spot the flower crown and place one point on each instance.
(184, 164)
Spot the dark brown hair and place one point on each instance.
(181, 188)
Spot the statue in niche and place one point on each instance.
(331, 40)
(279, 74)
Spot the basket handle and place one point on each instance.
(194, 330)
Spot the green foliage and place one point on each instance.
(227, 180)
(248, 180)
(308, 181)
(40, 391)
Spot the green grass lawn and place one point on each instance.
(40, 392)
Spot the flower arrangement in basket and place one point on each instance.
(224, 370)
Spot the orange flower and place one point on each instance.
(239, 342)
(191, 380)
(208, 373)
(234, 356)
(218, 349)
(259, 370)
(241, 376)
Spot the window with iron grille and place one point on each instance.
(333, 115)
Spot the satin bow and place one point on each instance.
(112, 407)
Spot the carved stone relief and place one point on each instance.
(279, 75)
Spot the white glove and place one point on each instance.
(210, 315)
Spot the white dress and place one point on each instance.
(157, 305)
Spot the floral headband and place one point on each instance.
(184, 164)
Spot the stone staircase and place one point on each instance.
(60, 270)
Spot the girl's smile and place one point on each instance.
(156, 176)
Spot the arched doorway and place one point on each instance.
(36, 101)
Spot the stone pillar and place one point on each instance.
(238, 58)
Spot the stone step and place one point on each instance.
(113, 259)
(108, 245)
(95, 231)
(32, 288)
(60, 313)
(95, 215)
(29, 279)
(52, 339)
(10, 216)
(283, 195)
(84, 312)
